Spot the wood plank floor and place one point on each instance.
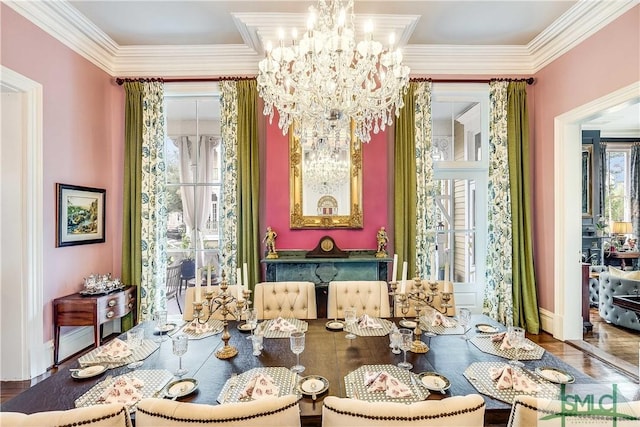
(605, 368)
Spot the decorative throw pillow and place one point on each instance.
(616, 272)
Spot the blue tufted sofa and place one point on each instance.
(609, 286)
(594, 284)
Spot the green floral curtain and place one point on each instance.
(229, 197)
(144, 241)
(498, 298)
(425, 189)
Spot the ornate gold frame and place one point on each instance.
(297, 219)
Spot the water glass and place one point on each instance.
(406, 339)
(296, 340)
(180, 345)
(464, 318)
(252, 318)
(160, 318)
(395, 337)
(134, 340)
(516, 338)
(350, 320)
(257, 341)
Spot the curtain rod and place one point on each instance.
(120, 81)
(529, 80)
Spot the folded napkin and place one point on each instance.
(382, 381)
(441, 319)
(505, 343)
(283, 325)
(260, 386)
(508, 377)
(115, 350)
(367, 322)
(124, 390)
(198, 328)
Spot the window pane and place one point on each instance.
(456, 131)
(617, 189)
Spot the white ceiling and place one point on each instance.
(216, 37)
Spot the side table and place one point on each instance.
(91, 310)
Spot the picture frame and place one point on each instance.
(80, 215)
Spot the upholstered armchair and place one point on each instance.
(189, 297)
(285, 299)
(367, 296)
(268, 412)
(111, 415)
(456, 411)
(611, 285)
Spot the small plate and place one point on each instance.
(485, 328)
(245, 327)
(313, 384)
(434, 381)
(408, 323)
(180, 388)
(166, 328)
(555, 375)
(88, 372)
(334, 325)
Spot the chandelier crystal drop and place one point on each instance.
(326, 79)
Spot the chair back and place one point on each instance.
(173, 283)
(285, 299)
(367, 296)
(268, 412)
(189, 297)
(529, 411)
(436, 303)
(108, 415)
(456, 411)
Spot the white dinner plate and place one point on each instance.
(313, 385)
(434, 381)
(180, 388)
(88, 372)
(486, 328)
(335, 325)
(245, 327)
(555, 375)
(166, 328)
(408, 323)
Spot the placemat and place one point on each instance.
(441, 330)
(486, 345)
(371, 332)
(216, 327)
(153, 379)
(140, 353)
(356, 389)
(300, 324)
(479, 376)
(284, 378)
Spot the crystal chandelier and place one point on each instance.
(326, 79)
(326, 166)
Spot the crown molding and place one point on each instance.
(580, 22)
(66, 24)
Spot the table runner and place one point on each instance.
(140, 353)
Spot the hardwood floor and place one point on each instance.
(620, 367)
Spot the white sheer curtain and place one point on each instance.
(196, 166)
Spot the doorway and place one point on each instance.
(567, 169)
(23, 353)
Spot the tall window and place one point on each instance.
(618, 186)
(460, 139)
(193, 152)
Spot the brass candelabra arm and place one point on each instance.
(446, 297)
(417, 346)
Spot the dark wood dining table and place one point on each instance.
(327, 353)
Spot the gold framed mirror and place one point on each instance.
(325, 180)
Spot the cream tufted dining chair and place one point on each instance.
(268, 412)
(528, 411)
(367, 296)
(111, 415)
(189, 297)
(456, 411)
(285, 299)
(451, 311)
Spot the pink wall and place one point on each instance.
(374, 196)
(607, 61)
(83, 145)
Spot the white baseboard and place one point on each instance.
(546, 320)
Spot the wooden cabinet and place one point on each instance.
(91, 310)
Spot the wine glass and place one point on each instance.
(516, 339)
(252, 319)
(134, 340)
(296, 339)
(406, 339)
(180, 345)
(464, 317)
(350, 320)
(394, 337)
(160, 317)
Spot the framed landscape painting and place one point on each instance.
(80, 215)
